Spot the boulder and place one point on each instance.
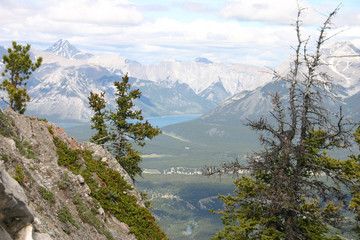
(14, 212)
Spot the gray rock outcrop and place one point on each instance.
(40, 204)
(14, 212)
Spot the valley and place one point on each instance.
(182, 197)
(182, 207)
(172, 162)
(225, 119)
(202, 108)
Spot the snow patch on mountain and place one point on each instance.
(343, 59)
(341, 62)
(67, 76)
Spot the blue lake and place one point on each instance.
(155, 121)
(165, 121)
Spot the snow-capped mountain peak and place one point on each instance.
(341, 49)
(63, 48)
(203, 60)
(67, 75)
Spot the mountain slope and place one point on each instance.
(199, 75)
(342, 68)
(60, 87)
(53, 187)
(228, 118)
(215, 92)
(63, 91)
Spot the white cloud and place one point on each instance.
(195, 7)
(121, 27)
(93, 12)
(49, 20)
(69, 13)
(225, 41)
(279, 11)
(285, 11)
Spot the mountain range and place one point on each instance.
(341, 64)
(225, 123)
(222, 92)
(60, 87)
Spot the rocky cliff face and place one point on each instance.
(53, 187)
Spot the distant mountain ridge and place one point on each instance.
(60, 87)
(341, 63)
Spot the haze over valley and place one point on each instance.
(205, 69)
(213, 99)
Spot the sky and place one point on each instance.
(256, 32)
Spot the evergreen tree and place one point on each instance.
(18, 68)
(97, 104)
(125, 126)
(351, 169)
(291, 189)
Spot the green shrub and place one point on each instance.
(111, 193)
(46, 194)
(65, 216)
(19, 145)
(42, 120)
(5, 125)
(65, 182)
(31, 154)
(68, 157)
(94, 210)
(51, 131)
(24, 148)
(5, 157)
(19, 174)
(88, 217)
(62, 185)
(148, 203)
(27, 144)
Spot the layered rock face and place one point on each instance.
(41, 200)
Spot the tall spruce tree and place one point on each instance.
(125, 126)
(98, 104)
(351, 169)
(18, 68)
(291, 189)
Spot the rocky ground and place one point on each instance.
(40, 199)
